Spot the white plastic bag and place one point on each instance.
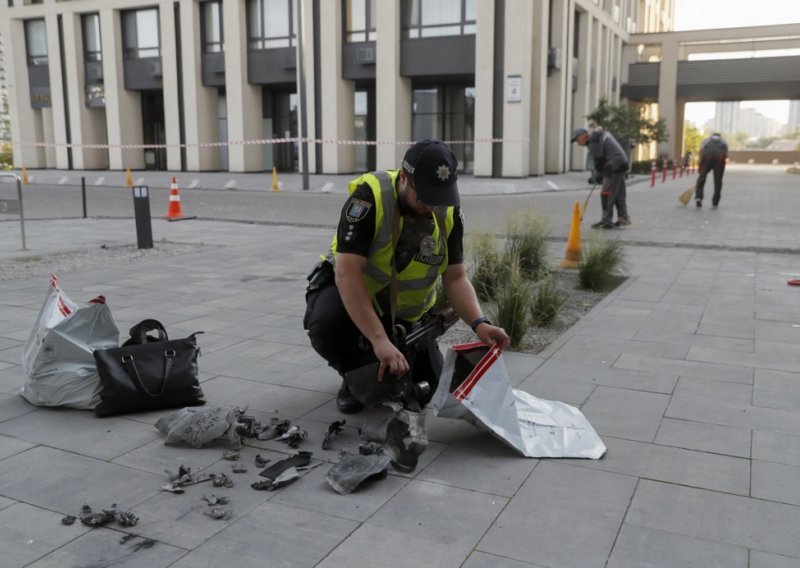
(58, 357)
(475, 387)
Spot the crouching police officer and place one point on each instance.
(399, 231)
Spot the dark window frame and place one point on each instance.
(90, 54)
(35, 59)
(262, 42)
(212, 46)
(132, 51)
(416, 30)
(368, 32)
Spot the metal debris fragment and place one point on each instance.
(334, 430)
(213, 500)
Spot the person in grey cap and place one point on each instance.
(611, 163)
(409, 218)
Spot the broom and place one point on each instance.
(686, 196)
(585, 203)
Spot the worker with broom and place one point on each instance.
(611, 163)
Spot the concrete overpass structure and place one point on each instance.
(659, 69)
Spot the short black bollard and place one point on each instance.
(141, 209)
(83, 195)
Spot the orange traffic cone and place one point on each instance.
(128, 178)
(174, 211)
(574, 254)
(24, 177)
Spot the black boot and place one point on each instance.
(346, 402)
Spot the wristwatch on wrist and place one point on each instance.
(483, 319)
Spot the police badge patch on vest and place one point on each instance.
(357, 210)
(425, 254)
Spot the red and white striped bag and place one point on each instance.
(474, 386)
(58, 357)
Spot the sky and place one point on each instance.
(710, 14)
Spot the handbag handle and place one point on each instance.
(133, 372)
(138, 332)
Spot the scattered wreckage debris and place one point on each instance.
(284, 472)
(231, 455)
(396, 439)
(334, 430)
(201, 426)
(293, 436)
(103, 517)
(355, 469)
(183, 478)
(238, 468)
(261, 462)
(217, 510)
(218, 513)
(401, 434)
(213, 500)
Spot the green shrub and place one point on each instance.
(527, 240)
(489, 268)
(546, 304)
(513, 305)
(600, 264)
(6, 157)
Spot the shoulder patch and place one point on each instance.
(357, 210)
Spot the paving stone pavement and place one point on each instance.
(689, 371)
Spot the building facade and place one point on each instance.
(201, 85)
(5, 119)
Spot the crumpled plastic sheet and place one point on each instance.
(201, 426)
(475, 387)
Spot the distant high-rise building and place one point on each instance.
(794, 116)
(726, 117)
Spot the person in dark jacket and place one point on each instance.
(713, 155)
(611, 163)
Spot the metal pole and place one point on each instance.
(83, 195)
(19, 198)
(302, 97)
(21, 214)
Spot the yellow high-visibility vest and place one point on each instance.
(416, 282)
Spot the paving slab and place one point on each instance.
(708, 515)
(571, 496)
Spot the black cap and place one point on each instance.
(577, 132)
(432, 167)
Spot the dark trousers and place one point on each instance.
(332, 333)
(337, 339)
(717, 165)
(613, 195)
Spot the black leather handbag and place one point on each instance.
(148, 373)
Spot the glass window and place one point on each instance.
(359, 20)
(36, 42)
(447, 112)
(92, 49)
(272, 23)
(141, 37)
(431, 18)
(212, 27)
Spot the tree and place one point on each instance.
(625, 121)
(691, 138)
